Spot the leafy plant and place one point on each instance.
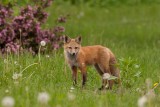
(130, 71)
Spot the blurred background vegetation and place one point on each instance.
(103, 3)
(99, 3)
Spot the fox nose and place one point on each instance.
(73, 54)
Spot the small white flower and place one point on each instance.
(15, 62)
(71, 96)
(5, 61)
(43, 43)
(106, 76)
(43, 98)
(81, 14)
(136, 66)
(142, 101)
(72, 88)
(107, 86)
(8, 102)
(15, 76)
(47, 56)
(138, 90)
(6, 91)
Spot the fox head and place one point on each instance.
(72, 46)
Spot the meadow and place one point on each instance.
(131, 32)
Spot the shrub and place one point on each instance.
(25, 32)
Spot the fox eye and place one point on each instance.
(70, 47)
(76, 47)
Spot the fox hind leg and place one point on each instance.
(103, 68)
(98, 69)
(101, 74)
(106, 69)
(115, 71)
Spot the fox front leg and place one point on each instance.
(84, 78)
(74, 74)
(84, 75)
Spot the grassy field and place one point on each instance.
(131, 32)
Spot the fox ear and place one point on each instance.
(66, 39)
(78, 39)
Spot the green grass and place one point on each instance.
(129, 31)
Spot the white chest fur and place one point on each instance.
(72, 60)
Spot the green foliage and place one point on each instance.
(104, 3)
(130, 71)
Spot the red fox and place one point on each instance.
(79, 57)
